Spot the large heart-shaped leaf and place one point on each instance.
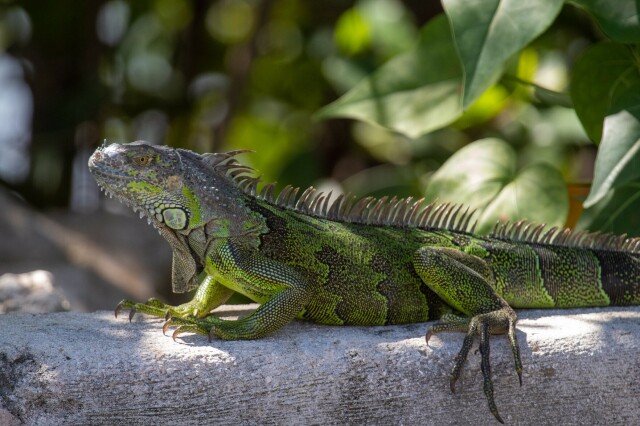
(484, 176)
(601, 74)
(475, 174)
(618, 160)
(617, 212)
(619, 19)
(537, 193)
(488, 32)
(414, 93)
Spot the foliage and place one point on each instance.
(409, 94)
(498, 44)
(504, 192)
(511, 97)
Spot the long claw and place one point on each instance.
(132, 312)
(462, 355)
(124, 304)
(166, 326)
(428, 336)
(176, 333)
(485, 366)
(187, 328)
(515, 349)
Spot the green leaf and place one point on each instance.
(483, 175)
(352, 33)
(537, 193)
(618, 160)
(489, 32)
(617, 212)
(475, 174)
(602, 73)
(619, 19)
(414, 93)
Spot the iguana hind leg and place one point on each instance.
(210, 295)
(463, 281)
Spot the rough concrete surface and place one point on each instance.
(581, 366)
(32, 293)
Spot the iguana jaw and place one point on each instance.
(107, 166)
(105, 176)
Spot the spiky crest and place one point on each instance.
(405, 212)
(523, 231)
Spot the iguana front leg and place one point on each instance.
(462, 281)
(281, 289)
(210, 295)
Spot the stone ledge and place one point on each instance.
(580, 366)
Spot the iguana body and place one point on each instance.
(372, 262)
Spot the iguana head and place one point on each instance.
(174, 188)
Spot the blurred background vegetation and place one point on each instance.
(253, 74)
(220, 75)
(203, 75)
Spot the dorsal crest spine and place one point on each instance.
(405, 212)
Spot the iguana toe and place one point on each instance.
(186, 325)
(123, 305)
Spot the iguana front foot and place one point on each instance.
(159, 309)
(496, 322)
(209, 296)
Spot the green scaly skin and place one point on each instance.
(372, 263)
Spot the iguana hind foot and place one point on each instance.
(496, 322)
(465, 281)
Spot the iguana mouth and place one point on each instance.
(111, 180)
(97, 165)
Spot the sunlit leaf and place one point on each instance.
(602, 73)
(483, 175)
(619, 19)
(618, 159)
(414, 93)
(488, 32)
(537, 193)
(618, 212)
(475, 174)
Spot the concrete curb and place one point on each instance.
(580, 366)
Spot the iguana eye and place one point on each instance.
(142, 160)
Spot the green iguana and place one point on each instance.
(352, 262)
